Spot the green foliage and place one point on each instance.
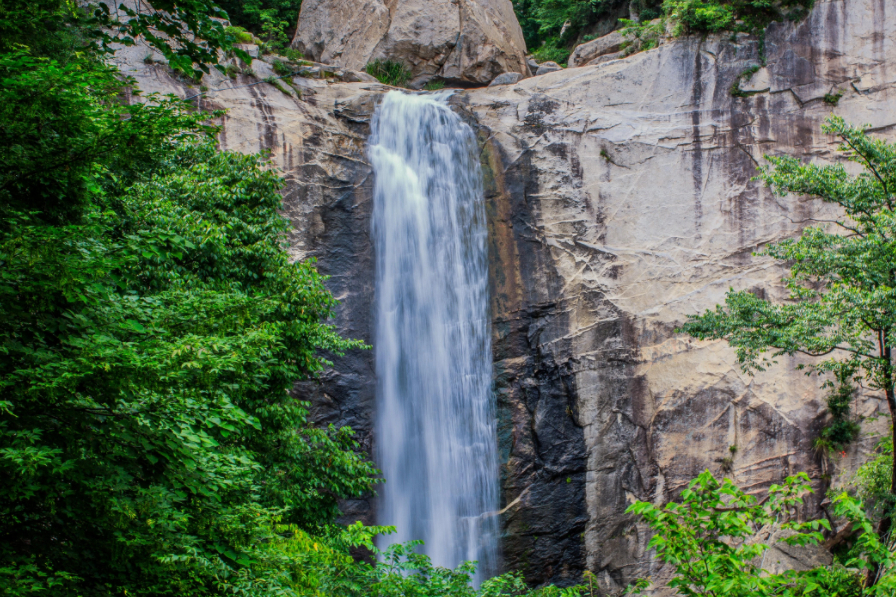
(151, 330)
(736, 91)
(833, 98)
(186, 32)
(842, 282)
(705, 537)
(274, 21)
(323, 566)
(697, 16)
(875, 478)
(643, 35)
(552, 50)
(709, 541)
(841, 430)
(273, 32)
(435, 86)
(283, 68)
(551, 27)
(389, 72)
(240, 34)
(714, 16)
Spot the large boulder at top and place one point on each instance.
(463, 41)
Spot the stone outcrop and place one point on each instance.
(460, 41)
(620, 200)
(588, 52)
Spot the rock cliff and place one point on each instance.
(620, 200)
(460, 41)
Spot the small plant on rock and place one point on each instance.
(389, 72)
(833, 98)
(283, 68)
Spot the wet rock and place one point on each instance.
(468, 41)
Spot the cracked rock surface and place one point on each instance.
(461, 41)
(621, 201)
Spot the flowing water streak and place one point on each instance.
(436, 435)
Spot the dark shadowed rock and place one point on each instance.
(548, 67)
(506, 79)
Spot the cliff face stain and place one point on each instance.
(541, 445)
(697, 155)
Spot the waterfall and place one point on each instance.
(435, 435)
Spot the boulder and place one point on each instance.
(548, 67)
(589, 51)
(354, 76)
(463, 41)
(506, 79)
(607, 58)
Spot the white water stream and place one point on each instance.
(436, 437)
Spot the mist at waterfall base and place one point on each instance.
(435, 434)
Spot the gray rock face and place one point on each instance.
(589, 51)
(548, 67)
(506, 79)
(620, 200)
(463, 41)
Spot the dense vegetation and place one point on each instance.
(270, 22)
(552, 28)
(709, 540)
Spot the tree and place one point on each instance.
(189, 33)
(151, 330)
(709, 541)
(841, 307)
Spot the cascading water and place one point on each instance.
(436, 435)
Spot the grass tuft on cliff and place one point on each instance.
(389, 72)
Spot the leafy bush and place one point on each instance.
(240, 34)
(697, 16)
(709, 541)
(714, 16)
(274, 21)
(435, 85)
(152, 328)
(282, 68)
(389, 72)
(552, 50)
(643, 36)
(551, 27)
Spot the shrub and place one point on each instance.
(435, 85)
(552, 50)
(389, 72)
(282, 68)
(241, 35)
